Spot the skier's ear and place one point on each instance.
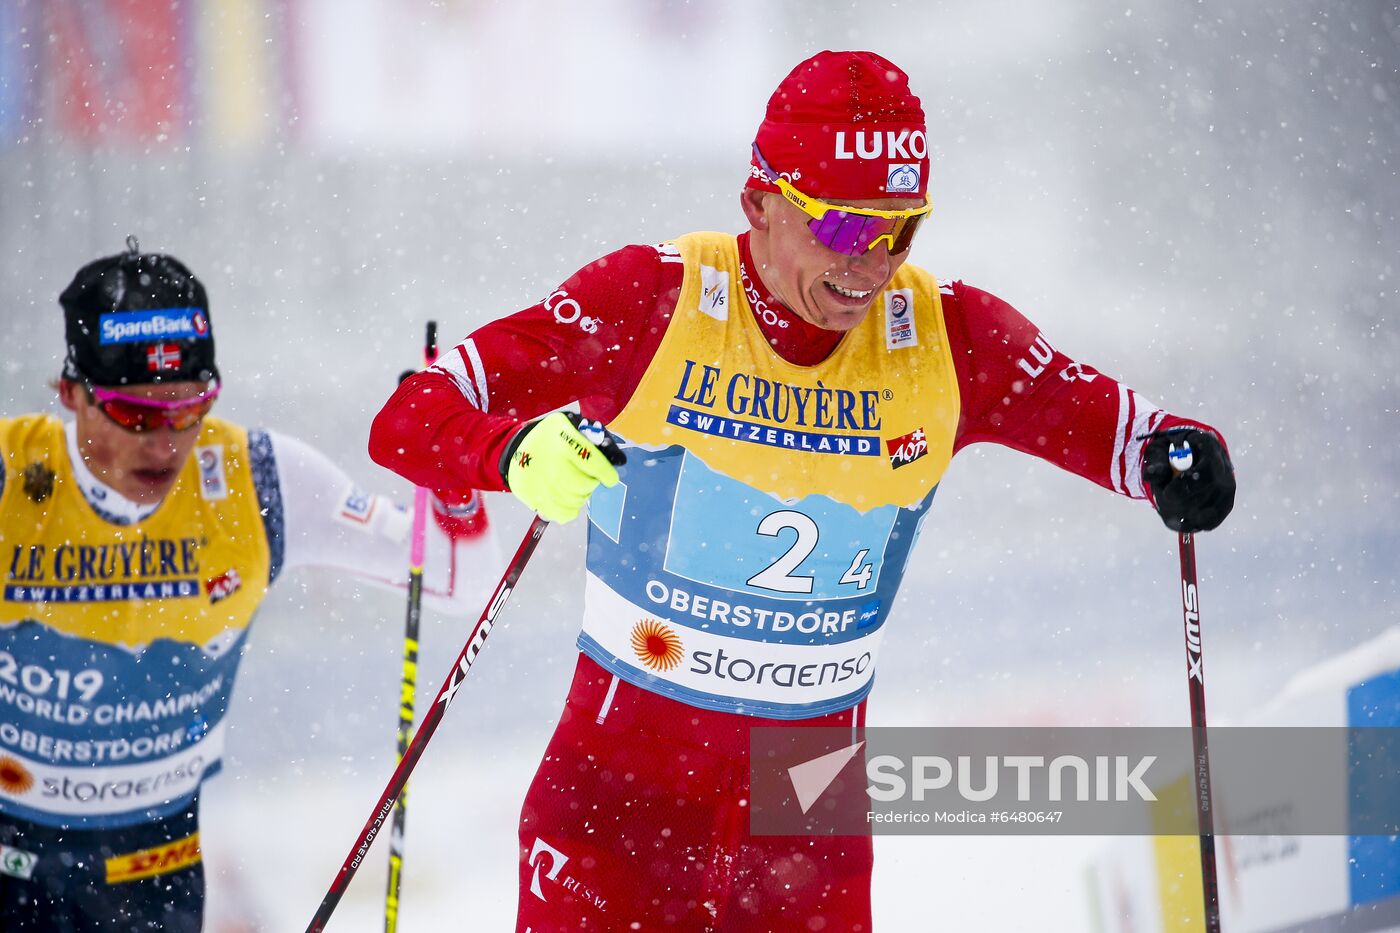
(754, 204)
(70, 394)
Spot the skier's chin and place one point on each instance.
(839, 317)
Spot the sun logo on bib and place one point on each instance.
(656, 645)
(14, 778)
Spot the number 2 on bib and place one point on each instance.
(779, 575)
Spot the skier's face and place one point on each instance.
(141, 466)
(823, 287)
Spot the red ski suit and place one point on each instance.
(637, 819)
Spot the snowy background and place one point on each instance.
(1200, 199)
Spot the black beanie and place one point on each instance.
(137, 318)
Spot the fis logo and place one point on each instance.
(714, 292)
(906, 449)
(1193, 631)
(714, 297)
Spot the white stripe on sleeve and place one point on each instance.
(1148, 417)
(452, 365)
(478, 373)
(1115, 470)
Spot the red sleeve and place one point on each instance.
(1019, 391)
(588, 341)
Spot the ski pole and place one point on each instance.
(431, 719)
(1196, 685)
(1180, 458)
(408, 683)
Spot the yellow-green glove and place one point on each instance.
(554, 464)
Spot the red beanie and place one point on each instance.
(845, 125)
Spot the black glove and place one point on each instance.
(1191, 477)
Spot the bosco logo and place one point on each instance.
(564, 308)
(568, 311)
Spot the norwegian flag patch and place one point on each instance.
(906, 449)
(162, 356)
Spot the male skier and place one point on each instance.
(138, 541)
(787, 401)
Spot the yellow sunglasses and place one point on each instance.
(852, 231)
